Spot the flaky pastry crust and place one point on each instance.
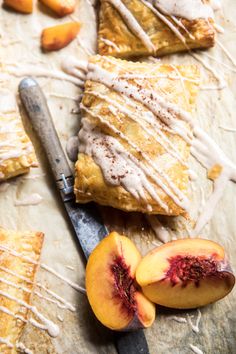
(115, 38)
(90, 184)
(29, 244)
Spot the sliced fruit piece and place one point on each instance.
(113, 294)
(24, 6)
(60, 7)
(186, 273)
(58, 37)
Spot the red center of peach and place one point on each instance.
(124, 284)
(190, 268)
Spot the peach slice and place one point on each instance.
(60, 7)
(24, 6)
(58, 37)
(113, 294)
(186, 273)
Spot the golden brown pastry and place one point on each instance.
(134, 141)
(16, 150)
(129, 28)
(29, 244)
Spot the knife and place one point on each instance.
(85, 219)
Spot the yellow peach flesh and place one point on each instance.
(209, 278)
(114, 307)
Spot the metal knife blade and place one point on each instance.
(85, 219)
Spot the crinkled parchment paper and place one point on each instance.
(79, 331)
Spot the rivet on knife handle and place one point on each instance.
(40, 117)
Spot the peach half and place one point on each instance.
(186, 273)
(116, 299)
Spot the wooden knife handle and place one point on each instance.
(40, 117)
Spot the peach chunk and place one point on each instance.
(58, 37)
(60, 7)
(186, 273)
(116, 299)
(24, 6)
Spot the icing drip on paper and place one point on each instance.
(204, 149)
(132, 23)
(195, 327)
(32, 199)
(195, 349)
(45, 267)
(178, 319)
(74, 67)
(160, 231)
(20, 71)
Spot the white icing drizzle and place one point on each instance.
(167, 185)
(11, 145)
(160, 231)
(195, 327)
(110, 43)
(164, 19)
(45, 267)
(32, 199)
(195, 349)
(189, 9)
(61, 303)
(23, 348)
(36, 71)
(74, 67)
(6, 342)
(227, 53)
(133, 24)
(178, 319)
(228, 129)
(204, 149)
(47, 325)
(159, 136)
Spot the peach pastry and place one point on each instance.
(131, 28)
(20, 253)
(16, 150)
(134, 141)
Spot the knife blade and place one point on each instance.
(85, 219)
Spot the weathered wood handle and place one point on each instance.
(40, 117)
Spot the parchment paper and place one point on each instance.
(80, 332)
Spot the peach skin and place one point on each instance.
(58, 37)
(113, 294)
(186, 273)
(24, 6)
(60, 7)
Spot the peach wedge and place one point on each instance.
(113, 294)
(24, 6)
(60, 7)
(58, 37)
(186, 273)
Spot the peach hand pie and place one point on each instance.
(17, 275)
(135, 136)
(16, 150)
(131, 28)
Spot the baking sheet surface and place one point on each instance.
(80, 332)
